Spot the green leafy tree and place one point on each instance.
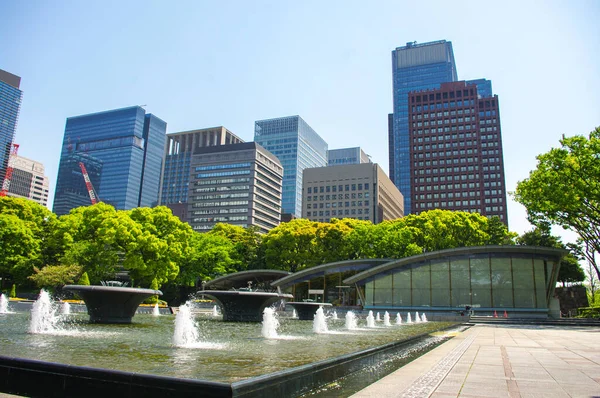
(330, 242)
(84, 279)
(247, 243)
(206, 257)
(564, 190)
(291, 246)
(13, 291)
(54, 277)
(19, 248)
(156, 246)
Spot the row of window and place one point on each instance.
(334, 196)
(328, 205)
(333, 213)
(340, 188)
(439, 105)
(219, 211)
(223, 166)
(443, 170)
(443, 187)
(449, 204)
(449, 195)
(420, 116)
(220, 219)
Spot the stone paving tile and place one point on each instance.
(528, 373)
(574, 376)
(582, 390)
(484, 389)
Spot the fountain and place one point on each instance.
(417, 318)
(378, 319)
(334, 316)
(370, 320)
(66, 308)
(155, 310)
(386, 319)
(423, 318)
(307, 309)
(111, 304)
(351, 321)
(270, 324)
(320, 322)
(398, 319)
(408, 320)
(43, 315)
(204, 354)
(215, 311)
(239, 300)
(294, 314)
(4, 304)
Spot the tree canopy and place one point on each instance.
(564, 190)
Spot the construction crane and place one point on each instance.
(88, 184)
(9, 170)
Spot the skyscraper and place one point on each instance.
(361, 190)
(414, 67)
(356, 155)
(29, 181)
(238, 184)
(10, 104)
(122, 151)
(456, 150)
(298, 147)
(178, 154)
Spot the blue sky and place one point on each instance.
(198, 64)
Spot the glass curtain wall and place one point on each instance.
(486, 281)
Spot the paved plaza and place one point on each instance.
(502, 361)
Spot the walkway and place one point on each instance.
(502, 361)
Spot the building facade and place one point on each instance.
(178, 153)
(122, 151)
(238, 184)
(360, 191)
(414, 67)
(519, 280)
(298, 147)
(336, 157)
(10, 105)
(456, 151)
(29, 181)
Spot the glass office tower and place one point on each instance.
(297, 146)
(414, 67)
(10, 104)
(122, 150)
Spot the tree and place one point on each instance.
(156, 246)
(206, 257)
(291, 246)
(564, 190)
(246, 241)
(570, 271)
(19, 248)
(54, 277)
(84, 279)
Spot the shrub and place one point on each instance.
(13, 291)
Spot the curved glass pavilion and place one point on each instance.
(516, 279)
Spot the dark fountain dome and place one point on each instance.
(243, 296)
(111, 304)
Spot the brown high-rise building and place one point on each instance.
(456, 151)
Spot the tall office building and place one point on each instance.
(298, 147)
(29, 180)
(122, 151)
(175, 176)
(414, 67)
(456, 150)
(10, 104)
(238, 184)
(356, 155)
(362, 191)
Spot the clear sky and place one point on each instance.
(198, 64)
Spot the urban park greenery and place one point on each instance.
(564, 190)
(156, 249)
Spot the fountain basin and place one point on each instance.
(111, 304)
(243, 306)
(138, 360)
(306, 309)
